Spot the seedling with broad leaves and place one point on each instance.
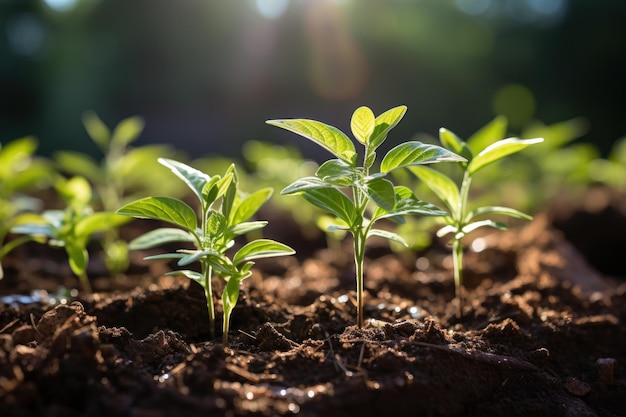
(73, 227)
(479, 153)
(225, 214)
(353, 193)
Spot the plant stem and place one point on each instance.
(359, 251)
(208, 292)
(457, 258)
(84, 282)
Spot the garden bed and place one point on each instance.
(542, 334)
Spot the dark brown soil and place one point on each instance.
(542, 334)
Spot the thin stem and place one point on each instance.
(208, 292)
(457, 259)
(84, 282)
(359, 249)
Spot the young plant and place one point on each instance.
(73, 227)
(20, 171)
(370, 196)
(224, 214)
(463, 220)
(119, 177)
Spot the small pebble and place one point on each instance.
(577, 387)
(606, 370)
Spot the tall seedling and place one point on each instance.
(463, 220)
(355, 195)
(224, 215)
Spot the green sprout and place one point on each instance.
(73, 227)
(20, 171)
(463, 220)
(368, 194)
(224, 214)
(118, 177)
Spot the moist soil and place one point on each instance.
(542, 332)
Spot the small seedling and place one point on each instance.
(20, 171)
(369, 194)
(119, 177)
(73, 227)
(463, 220)
(212, 233)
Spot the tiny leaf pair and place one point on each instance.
(483, 149)
(225, 212)
(356, 197)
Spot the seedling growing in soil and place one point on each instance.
(212, 233)
(370, 196)
(73, 227)
(20, 171)
(119, 177)
(461, 219)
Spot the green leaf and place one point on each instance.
(196, 276)
(452, 142)
(97, 130)
(194, 256)
(328, 137)
(229, 189)
(97, 222)
(195, 179)
(406, 207)
(167, 209)
(76, 163)
(15, 155)
(488, 134)
(497, 210)
(159, 237)
(334, 201)
(499, 150)
(381, 192)
(441, 185)
(78, 258)
(76, 191)
(362, 124)
(247, 207)
(483, 223)
(336, 172)
(229, 301)
(127, 131)
(165, 256)
(246, 227)
(384, 123)
(216, 223)
(416, 153)
(303, 184)
(34, 229)
(261, 248)
(394, 237)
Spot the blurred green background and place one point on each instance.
(205, 75)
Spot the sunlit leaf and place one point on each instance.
(384, 123)
(167, 209)
(98, 222)
(246, 227)
(77, 257)
(196, 256)
(440, 184)
(76, 163)
(394, 237)
(452, 142)
(261, 248)
(247, 207)
(306, 183)
(483, 223)
(381, 192)
(195, 179)
(127, 131)
(196, 276)
(492, 132)
(159, 237)
(499, 150)
(97, 130)
(328, 137)
(336, 172)
(332, 200)
(362, 124)
(507, 211)
(416, 153)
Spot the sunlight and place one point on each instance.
(272, 9)
(61, 5)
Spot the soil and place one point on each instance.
(543, 333)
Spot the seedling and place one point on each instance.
(212, 233)
(368, 194)
(73, 227)
(119, 177)
(463, 220)
(20, 171)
